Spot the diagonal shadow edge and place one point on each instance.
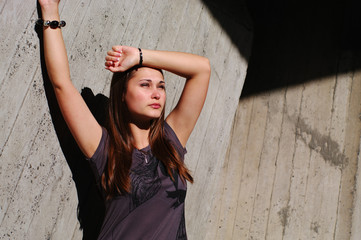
(292, 43)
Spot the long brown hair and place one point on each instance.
(115, 179)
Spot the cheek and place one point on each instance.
(135, 96)
(164, 97)
(134, 100)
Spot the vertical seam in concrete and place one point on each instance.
(332, 114)
(357, 175)
(343, 151)
(276, 160)
(235, 121)
(308, 175)
(228, 156)
(337, 209)
(225, 170)
(356, 201)
(259, 164)
(293, 158)
(240, 185)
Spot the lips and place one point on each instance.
(155, 105)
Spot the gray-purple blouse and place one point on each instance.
(155, 207)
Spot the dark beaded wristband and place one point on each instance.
(140, 57)
(51, 24)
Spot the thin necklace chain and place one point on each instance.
(145, 154)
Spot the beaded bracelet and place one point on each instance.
(52, 24)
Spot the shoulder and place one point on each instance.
(102, 146)
(99, 158)
(173, 138)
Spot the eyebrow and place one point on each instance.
(150, 80)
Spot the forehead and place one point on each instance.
(147, 73)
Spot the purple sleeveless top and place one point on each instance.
(155, 207)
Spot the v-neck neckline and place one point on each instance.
(144, 150)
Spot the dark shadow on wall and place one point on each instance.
(235, 20)
(90, 203)
(293, 41)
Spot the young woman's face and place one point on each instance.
(145, 95)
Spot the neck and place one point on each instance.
(140, 133)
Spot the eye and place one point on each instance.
(162, 86)
(144, 84)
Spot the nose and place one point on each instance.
(156, 94)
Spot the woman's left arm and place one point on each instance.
(194, 68)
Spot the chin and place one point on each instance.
(155, 116)
(147, 115)
(151, 116)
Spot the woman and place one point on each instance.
(138, 157)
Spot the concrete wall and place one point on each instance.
(292, 167)
(42, 181)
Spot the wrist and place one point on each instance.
(50, 12)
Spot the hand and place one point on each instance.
(121, 58)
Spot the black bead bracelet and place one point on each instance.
(140, 57)
(52, 24)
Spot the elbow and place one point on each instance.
(206, 67)
(199, 69)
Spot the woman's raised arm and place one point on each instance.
(194, 68)
(82, 124)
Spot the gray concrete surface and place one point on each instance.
(291, 167)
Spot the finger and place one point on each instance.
(115, 68)
(114, 54)
(109, 63)
(113, 59)
(112, 69)
(117, 48)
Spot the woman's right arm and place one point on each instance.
(82, 124)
